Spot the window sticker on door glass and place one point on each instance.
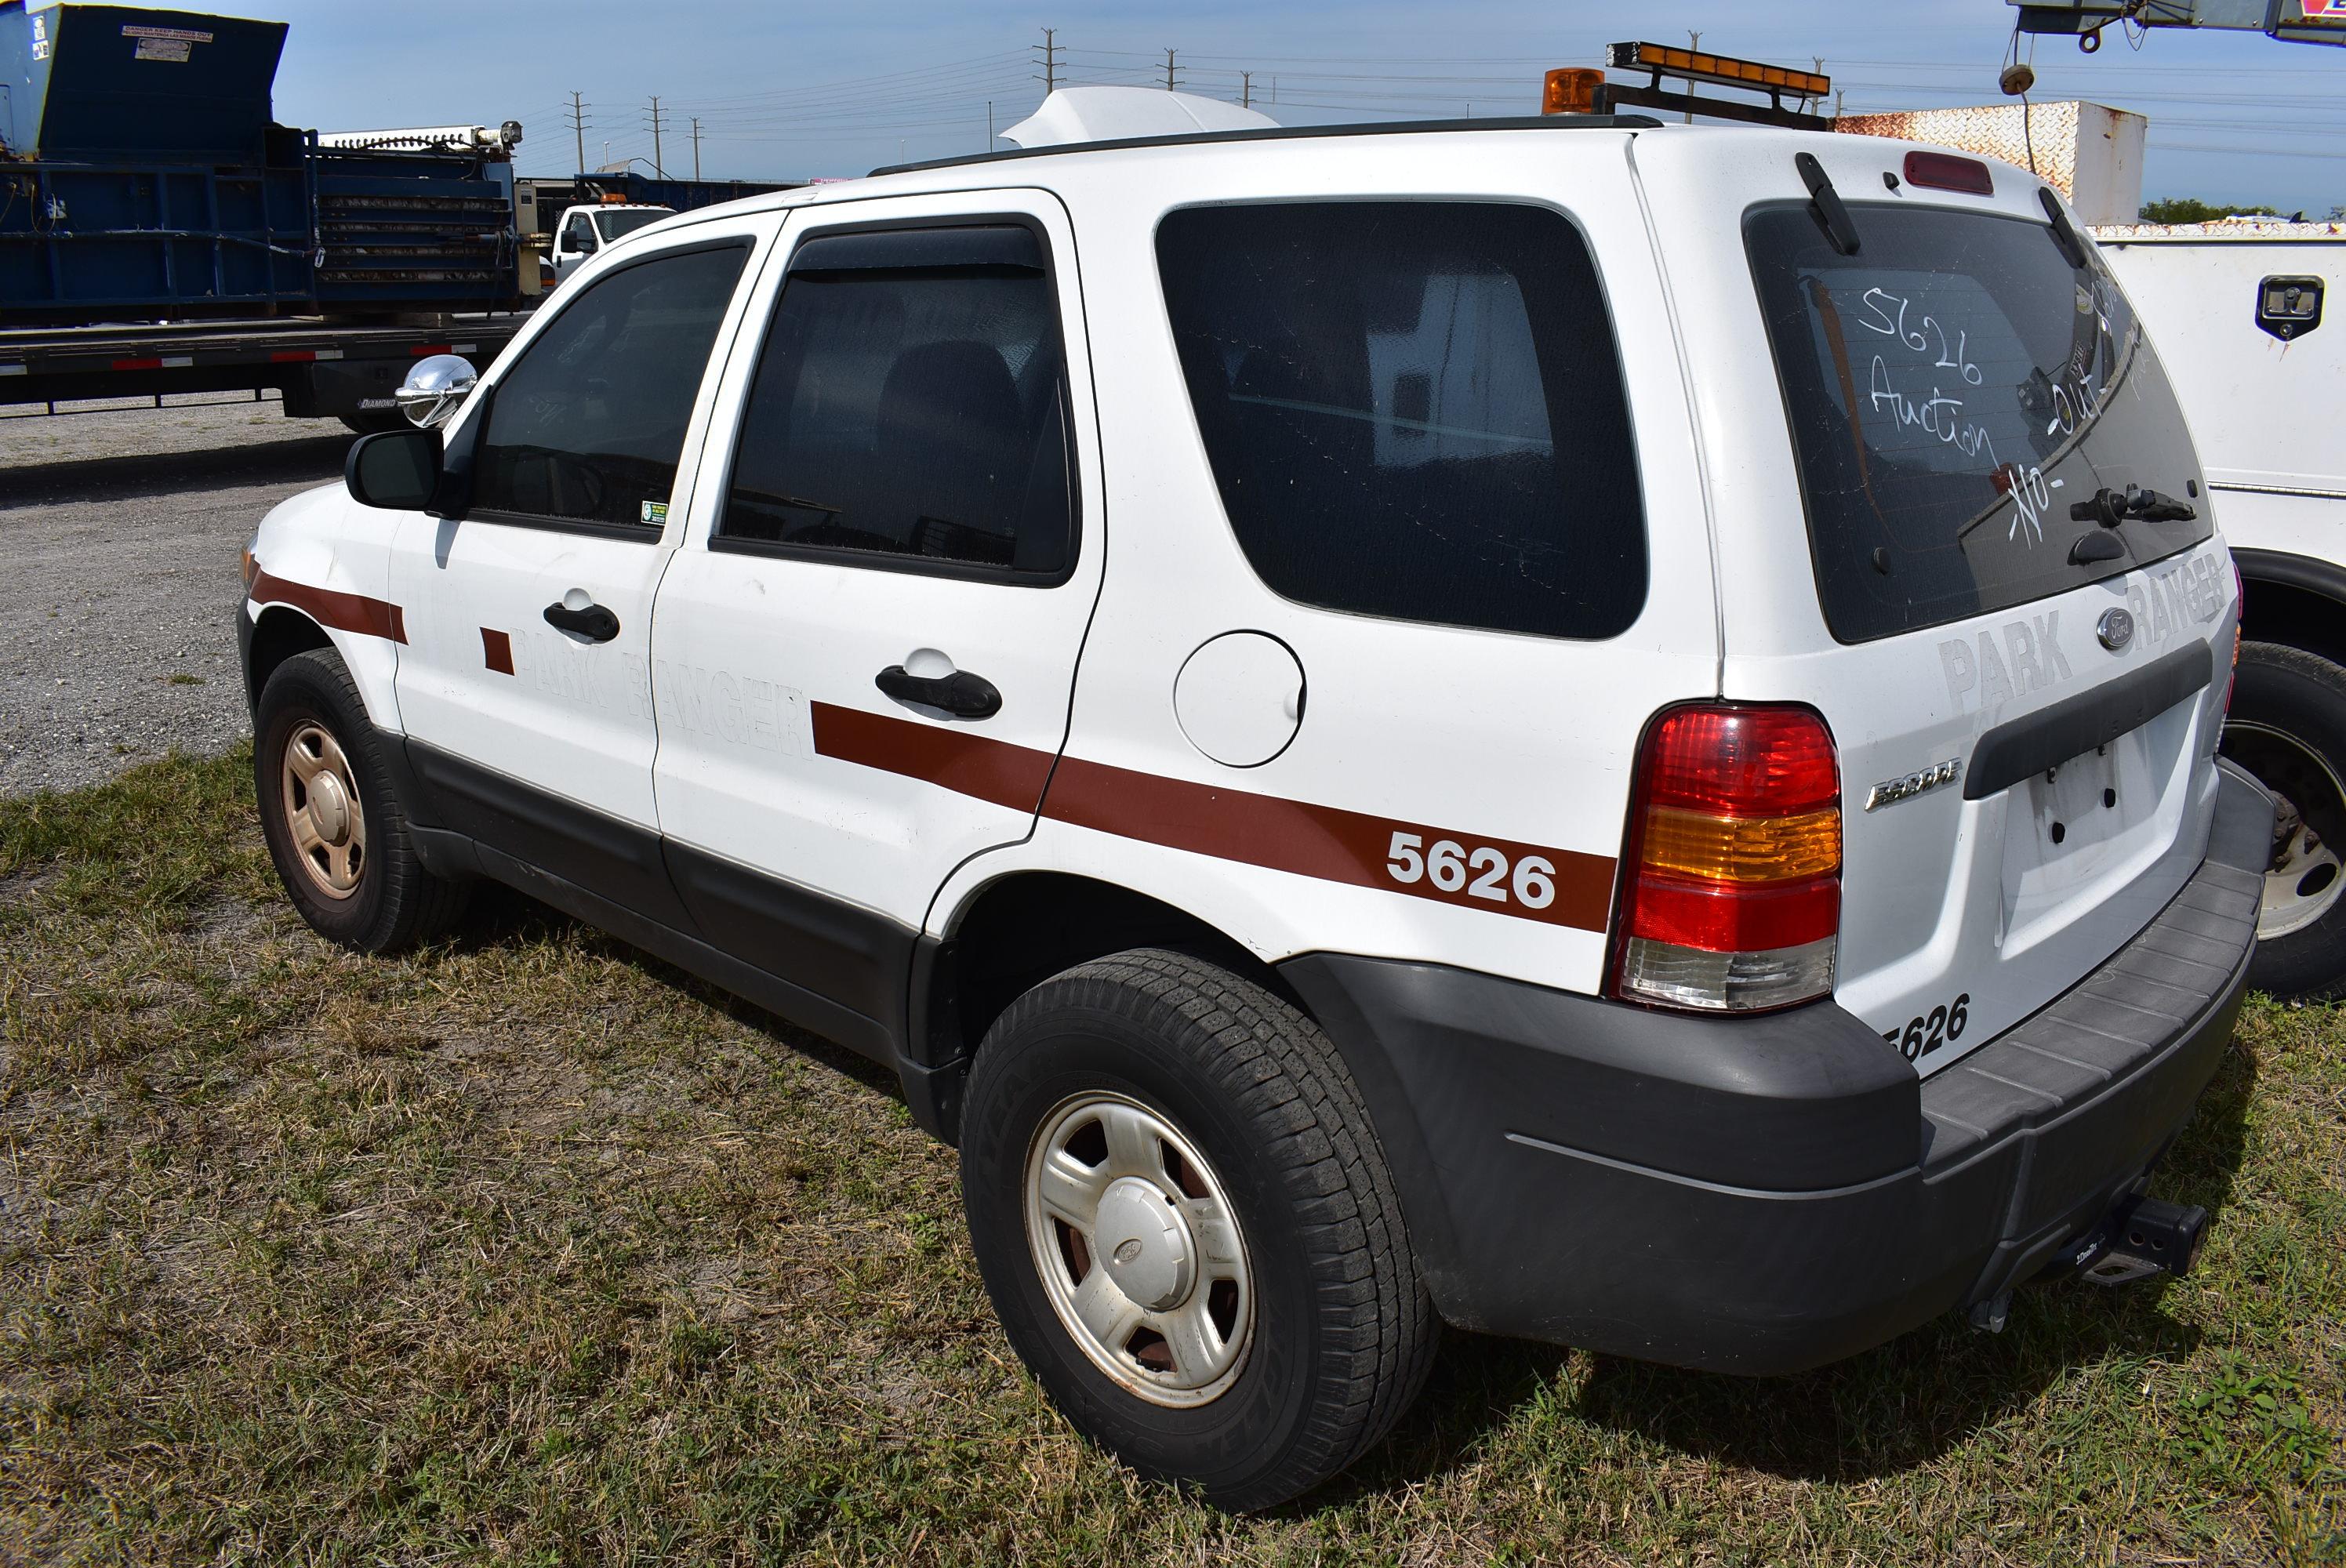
(656, 513)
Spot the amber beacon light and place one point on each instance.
(1571, 90)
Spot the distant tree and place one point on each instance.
(2189, 210)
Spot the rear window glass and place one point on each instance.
(1954, 388)
(1413, 409)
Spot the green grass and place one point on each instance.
(527, 1250)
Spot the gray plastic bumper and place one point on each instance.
(1770, 1194)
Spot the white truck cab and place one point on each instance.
(585, 230)
(1590, 730)
(2249, 307)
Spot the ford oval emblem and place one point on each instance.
(2115, 629)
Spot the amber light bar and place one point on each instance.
(1668, 59)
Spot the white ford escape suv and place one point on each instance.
(1597, 731)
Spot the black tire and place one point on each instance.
(393, 902)
(2288, 726)
(1342, 1330)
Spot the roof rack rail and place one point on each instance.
(1295, 133)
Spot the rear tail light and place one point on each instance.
(1731, 899)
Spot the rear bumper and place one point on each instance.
(1770, 1194)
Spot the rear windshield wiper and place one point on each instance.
(2073, 248)
(2110, 507)
(1839, 227)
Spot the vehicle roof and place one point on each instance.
(1046, 165)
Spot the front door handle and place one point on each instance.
(591, 621)
(962, 693)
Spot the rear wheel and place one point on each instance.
(335, 829)
(1188, 1227)
(2288, 727)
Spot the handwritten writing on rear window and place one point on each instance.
(1925, 378)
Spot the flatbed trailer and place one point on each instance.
(326, 369)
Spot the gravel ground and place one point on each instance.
(117, 641)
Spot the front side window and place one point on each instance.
(625, 221)
(588, 426)
(1414, 410)
(578, 234)
(910, 408)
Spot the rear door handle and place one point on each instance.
(593, 622)
(964, 694)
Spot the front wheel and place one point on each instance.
(2288, 727)
(334, 827)
(1188, 1229)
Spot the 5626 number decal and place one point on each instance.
(1925, 1033)
(1482, 872)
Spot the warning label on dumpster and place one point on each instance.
(171, 44)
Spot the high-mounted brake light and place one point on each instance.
(1571, 90)
(1945, 171)
(1730, 896)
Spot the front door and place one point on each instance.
(864, 650)
(525, 688)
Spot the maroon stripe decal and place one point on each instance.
(967, 764)
(497, 650)
(1529, 882)
(329, 607)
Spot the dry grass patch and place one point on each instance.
(526, 1249)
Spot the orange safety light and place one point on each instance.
(614, 198)
(1571, 90)
(1670, 60)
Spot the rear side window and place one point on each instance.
(909, 410)
(1414, 410)
(585, 428)
(1954, 390)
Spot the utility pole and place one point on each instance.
(989, 125)
(1819, 61)
(657, 170)
(1170, 82)
(578, 128)
(1048, 56)
(696, 146)
(1246, 89)
(1694, 41)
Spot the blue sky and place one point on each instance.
(785, 90)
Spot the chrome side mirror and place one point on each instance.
(436, 388)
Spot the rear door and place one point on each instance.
(2027, 619)
(863, 654)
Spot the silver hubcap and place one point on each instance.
(323, 813)
(1138, 1251)
(2305, 880)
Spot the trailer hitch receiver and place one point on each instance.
(2142, 1236)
